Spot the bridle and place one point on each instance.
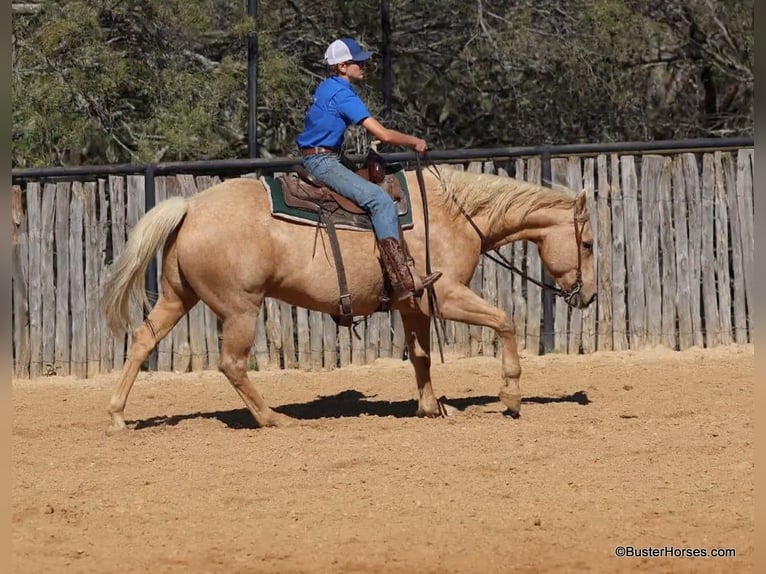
(567, 294)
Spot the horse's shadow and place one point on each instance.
(349, 403)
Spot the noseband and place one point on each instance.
(569, 294)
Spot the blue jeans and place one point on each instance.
(328, 169)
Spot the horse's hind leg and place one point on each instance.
(162, 318)
(238, 335)
(417, 332)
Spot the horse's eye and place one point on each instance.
(587, 245)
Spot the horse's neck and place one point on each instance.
(517, 227)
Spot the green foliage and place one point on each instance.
(97, 81)
(111, 81)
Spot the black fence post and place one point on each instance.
(548, 317)
(252, 82)
(152, 289)
(388, 75)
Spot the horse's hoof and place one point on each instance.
(435, 410)
(115, 429)
(512, 403)
(277, 420)
(429, 408)
(429, 413)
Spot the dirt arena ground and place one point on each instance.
(650, 449)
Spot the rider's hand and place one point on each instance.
(420, 145)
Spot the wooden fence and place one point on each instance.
(674, 248)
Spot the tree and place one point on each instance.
(98, 81)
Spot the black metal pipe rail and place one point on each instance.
(230, 166)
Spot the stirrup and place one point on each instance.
(431, 278)
(419, 285)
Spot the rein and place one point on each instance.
(495, 255)
(433, 304)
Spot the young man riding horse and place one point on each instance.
(336, 105)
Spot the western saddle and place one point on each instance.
(305, 192)
(302, 191)
(398, 266)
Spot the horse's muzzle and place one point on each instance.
(578, 300)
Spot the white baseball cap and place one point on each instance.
(345, 50)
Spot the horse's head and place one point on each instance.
(567, 252)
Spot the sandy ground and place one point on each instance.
(650, 449)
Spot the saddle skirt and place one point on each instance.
(299, 198)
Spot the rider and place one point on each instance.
(334, 106)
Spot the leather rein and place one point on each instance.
(567, 294)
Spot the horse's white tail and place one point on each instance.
(128, 272)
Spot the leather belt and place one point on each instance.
(313, 150)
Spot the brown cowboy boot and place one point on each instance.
(405, 281)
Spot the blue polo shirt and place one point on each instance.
(334, 107)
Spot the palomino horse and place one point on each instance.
(223, 247)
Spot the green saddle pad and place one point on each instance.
(341, 218)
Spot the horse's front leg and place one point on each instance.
(417, 333)
(459, 303)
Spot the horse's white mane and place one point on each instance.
(496, 195)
